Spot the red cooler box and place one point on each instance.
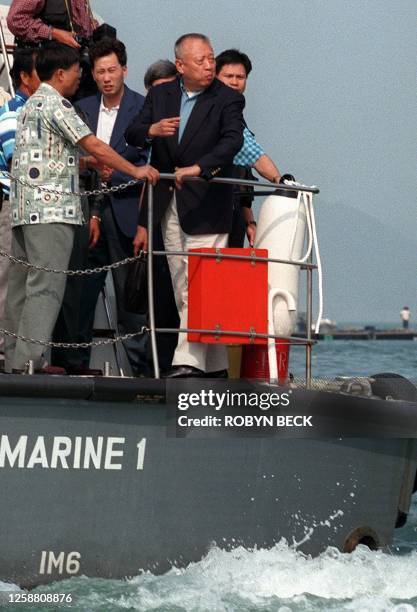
(228, 294)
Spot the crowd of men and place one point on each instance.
(190, 124)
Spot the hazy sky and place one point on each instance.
(332, 100)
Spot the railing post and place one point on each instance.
(6, 60)
(309, 317)
(150, 283)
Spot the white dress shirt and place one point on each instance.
(106, 120)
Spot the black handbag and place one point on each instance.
(136, 286)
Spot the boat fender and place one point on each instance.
(390, 386)
(283, 220)
(281, 229)
(361, 535)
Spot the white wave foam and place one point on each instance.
(260, 577)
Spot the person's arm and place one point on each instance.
(143, 129)
(140, 241)
(250, 224)
(137, 131)
(251, 155)
(108, 157)
(138, 157)
(266, 168)
(24, 23)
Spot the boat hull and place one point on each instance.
(142, 499)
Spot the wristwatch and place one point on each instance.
(251, 223)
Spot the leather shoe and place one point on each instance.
(217, 374)
(49, 369)
(82, 371)
(184, 371)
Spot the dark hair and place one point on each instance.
(162, 69)
(107, 46)
(53, 56)
(23, 61)
(184, 37)
(233, 56)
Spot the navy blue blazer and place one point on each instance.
(124, 203)
(212, 137)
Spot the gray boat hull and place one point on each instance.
(140, 499)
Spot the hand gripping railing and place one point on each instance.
(306, 265)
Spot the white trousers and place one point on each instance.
(206, 357)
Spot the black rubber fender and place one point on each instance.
(393, 386)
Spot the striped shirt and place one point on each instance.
(8, 122)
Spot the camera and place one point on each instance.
(103, 31)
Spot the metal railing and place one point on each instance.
(309, 266)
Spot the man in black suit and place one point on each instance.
(194, 125)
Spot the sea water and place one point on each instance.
(282, 579)
(332, 358)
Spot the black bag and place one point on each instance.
(136, 287)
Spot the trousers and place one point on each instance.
(34, 297)
(206, 357)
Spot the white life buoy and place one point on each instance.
(282, 224)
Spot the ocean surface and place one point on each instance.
(358, 358)
(282, 579)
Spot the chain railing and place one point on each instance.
(91, 192)
(152, 329)
(87, 272)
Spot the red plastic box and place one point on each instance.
(228, 294)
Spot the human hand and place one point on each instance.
(64, 37)
(165, 127)
(140, 241)
(106, 173)
(94, 231)
(87, 162)
(182, 173)
(251, 233)
(146, 173)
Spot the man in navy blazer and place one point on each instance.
(195, 127)
(108, 114)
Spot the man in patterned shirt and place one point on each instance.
(49, 132)
(26, 82)
(233, 68)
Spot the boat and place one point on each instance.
(94, 482)
(109, 476)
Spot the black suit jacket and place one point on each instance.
(211, 139)
(124, 203)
